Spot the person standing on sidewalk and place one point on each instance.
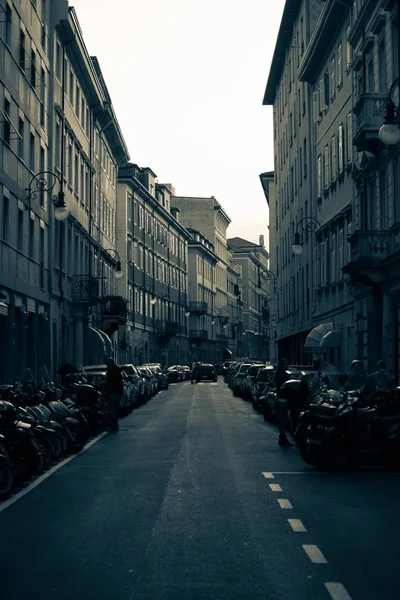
(114, 388)
(281, 404)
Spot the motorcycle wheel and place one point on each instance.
(311, 455)
(6, 478)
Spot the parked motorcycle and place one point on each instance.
(346, 425)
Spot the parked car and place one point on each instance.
(96, 376)
(238, 376)
(174, 374)
(151, 380)
(247, 384)
(138, 379)
(161, 377)
(187, 372)
(205, 371)
(263, 383)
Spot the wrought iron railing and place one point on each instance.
(85, 288)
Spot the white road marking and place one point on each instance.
(331, 473)
(297, 525)
(314, 554)
(269, 476)
(337, 591)
(275, 487)
(48, 474)
(283, 503)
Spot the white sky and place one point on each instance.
(187, 79)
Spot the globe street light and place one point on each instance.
(118, 273)
(45, 181)
(307, 225)
(389, 133)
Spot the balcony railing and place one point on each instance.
(85, 289)
(370, 247)
(115, 308)
(198, 335)
(369, 116)
(166, 328)
(198, 308)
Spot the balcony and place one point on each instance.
(369, 116)
(85, 289)
(367, 251)
(198, 308)
(166, 329)
(115, 309)
(198, 335)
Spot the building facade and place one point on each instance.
(207, 216)
(251, 262)
(154, 246)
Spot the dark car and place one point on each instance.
(206, 372)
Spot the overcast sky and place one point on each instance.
(187, 79)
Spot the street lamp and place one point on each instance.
(307, 225)
(389, 133)
(45, 181)
(153, 299)
(118, 273)
(268, 275)
(187, 313)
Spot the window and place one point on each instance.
(333, 77)
(7, 122)
(71, 87)
(22, 43)
(57, 149)
(83, 112)
(77, 101)
(21, 138)
(58, 60)
(333, 158)
(383, 199)
(382, 67)
(32, 238)
(70, 162)
(8, 25)
(6, 217)
(319, 176)
(305, 157)
(348, 50)
(20, 230)
(339, 66)
(42, 96)
(32, 161)
(301, 166)
(33, 69)
(349, 137)
(341, 149)
(370, 74)
(326, 166)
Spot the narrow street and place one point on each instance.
(191, 500)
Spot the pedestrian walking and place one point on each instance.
(114, 388)
(381, 380)
(194, 371)
(358, 376)
(281, 404)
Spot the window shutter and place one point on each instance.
(322, 102)
(316, 111)
(341, 149)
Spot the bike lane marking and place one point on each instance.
(269, 475)
(337, 591)
(297, 525)
(314, 553)
(284, 503)
(7, 503)
(275, 487)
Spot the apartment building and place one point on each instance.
(251, 263)
(207, 216)
(60, 148)
(374, 241)
(154, 246)
(202, 294)
(25, 142)
(291, 100)
(235, 308)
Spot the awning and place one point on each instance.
(96, 343)
(109, 352)
(315, 336)
(226, 354)
(332, 339)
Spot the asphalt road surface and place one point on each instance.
(192, 500)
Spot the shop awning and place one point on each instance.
(96, 343)
(332, 339)
(109, 352)
(313, 340)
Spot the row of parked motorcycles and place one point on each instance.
(40, 424)
(332, 426)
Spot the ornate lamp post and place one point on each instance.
(389, 133)
(45, 181)
(307, 225)
(118, 273)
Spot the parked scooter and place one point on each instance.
(348, 426)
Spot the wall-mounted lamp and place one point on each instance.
(307, 225)
(43, 182)
(389, 133)
(118, 273)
